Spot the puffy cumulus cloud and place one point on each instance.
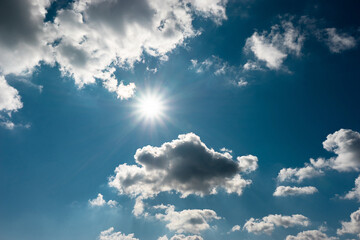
(283, 191)
(355, 192)
(182, 237)
(99, 201)
(345, 143)
(90, 38)
(130, 28)
(352, 227)
(185, 165)
(310, 235)
(299, 174)
(10, 100)
(24, 37)
(338, 42)
(273, 48)
(267, 224)
(186, 221)
(110, 234)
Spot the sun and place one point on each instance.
(150, 107)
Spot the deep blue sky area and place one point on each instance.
(59, 150)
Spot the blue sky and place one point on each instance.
(179, 120)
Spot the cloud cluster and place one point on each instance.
(310, 235)
(185, 165)
(345, 143)
(110, 234)
(99, 201)
(186, 221)
(287, 38)
(352, 227)
(91, 38)
(283, 191)
(267, 224)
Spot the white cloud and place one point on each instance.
(185, 165)
(339, 42)
(99, 201)
(310, 235)
(92, 37)
(345, 143)
(187, 221)
(355, 192)
(273, 48)
(298, 174)
(111, 235)
(283, 191)
(235, 228)
(352, 227)
(267, 224)
(10, 99)
(181, 237)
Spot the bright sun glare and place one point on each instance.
(151, 107)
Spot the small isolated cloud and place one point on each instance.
(185, 165)
(110, 234)
(99, 201)
(186, 221)
(273, 48)
(310, 235)
(355, 192)
(181, 237)
(267, 224)
(345, 143)
(351, 227)
(235, 228)
(338, 42)
(298, 174)
(284, 191)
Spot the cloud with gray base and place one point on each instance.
(311, 235)
(185, 165)
(267, 224)
(186, 221)
(284, 191)
(339, 42)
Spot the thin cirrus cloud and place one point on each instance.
(185, 165)
(267, 224)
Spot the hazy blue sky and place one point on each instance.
(179, 120)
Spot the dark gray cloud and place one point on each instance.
(185, 165)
